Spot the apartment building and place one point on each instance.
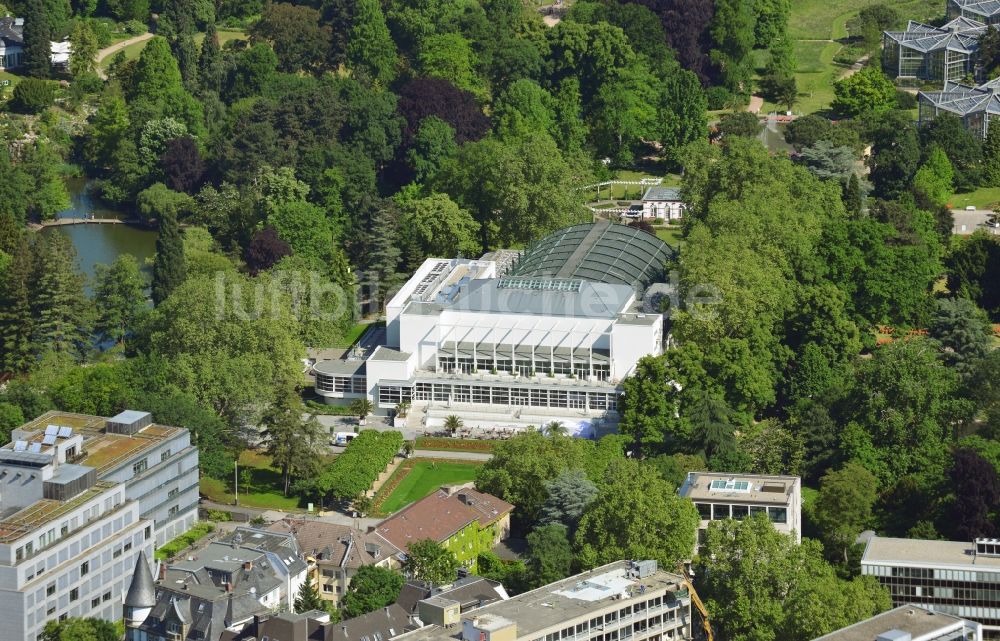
(950, 577)
(81, 497)
(909, 623)
(335, 552)
(621, 601)
(724, 496)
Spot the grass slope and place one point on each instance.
(425, 477)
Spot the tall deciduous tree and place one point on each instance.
(427, 560)
(293, 443)
(648, 405)
(976, 488)
(868, 91)
(370, 48)
(991, 155)
(759, 585)
(436, 226)
(371, 588)
(681, 113)
(120, 299)
(636, 515)
(265, 250)
(844, 505)
(169, 267)
(550, 557)
(733, 39)
(295, 33)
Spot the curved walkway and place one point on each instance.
(115, 48)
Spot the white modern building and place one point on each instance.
(80, 497)
(951, 577)
(725, 496)
(548, 335)
(909, 623)
(663, 203)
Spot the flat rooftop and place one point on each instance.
(101, 450)
(915, 620)
(45, 511)
(927, 553)
(573, 597)
(752, 488)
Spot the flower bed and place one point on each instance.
(454, 444)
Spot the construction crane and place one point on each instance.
(696, 600)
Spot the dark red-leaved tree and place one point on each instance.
(182, 165)
(422, 97)
(686, 25)
(977, 492)
(265, 250)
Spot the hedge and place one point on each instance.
(353, 472)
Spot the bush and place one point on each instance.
(353, 472)
(104, 30)
(32, 95)
(219, 515)
(848, 55)
(905, 100)
(135, 27)
(718, 97)
(172, 548)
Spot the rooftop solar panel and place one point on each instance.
(35, 448)
(51, 429)
(50, 439)
(20, 446)
(65, 432)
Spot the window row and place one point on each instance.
(343, 384)
(523, 367)
(487, 395)
(716, 512)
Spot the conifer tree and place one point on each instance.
(37, 40)
(60, 307)
(308, 597)
(120, 298)
(210, 61)
(853, 198)
(16, 322)
(169, 267)
(384, 254)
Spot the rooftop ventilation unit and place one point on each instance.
(129, 422)
(894, 635)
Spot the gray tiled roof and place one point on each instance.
(961, 35)
(11, 33)
(141, 593)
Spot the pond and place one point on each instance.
(101, 243)
(773, 137)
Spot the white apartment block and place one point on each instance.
(725, 496)
(621, 601)
(515, 339)
(80, 497)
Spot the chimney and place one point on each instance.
(248, 565)
(229, 586)
(163, 571)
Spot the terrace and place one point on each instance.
(45, 511)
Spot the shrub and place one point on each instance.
(32, 95)
(219, 515)
(135, 27)
(718, 97)
(172, 548)
(353, 472)
(905, 100)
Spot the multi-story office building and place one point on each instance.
(724, 496)
(952, 577)
(520, 339)
(909, 623)
(621, 601)
(80, 497)
(218, 588)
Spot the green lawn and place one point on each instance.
(670, 235)
(424, 478)
(982, 198)
(265, 489)
(355, 333)
(182, 542)
(816, 26)
(132, 51)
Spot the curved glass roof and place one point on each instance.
(599, 252)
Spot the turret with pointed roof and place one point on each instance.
(141, 592)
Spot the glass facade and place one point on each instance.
(498, 395)
(343, 384)
(719, 511)
(657, 619)
(970, 594)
